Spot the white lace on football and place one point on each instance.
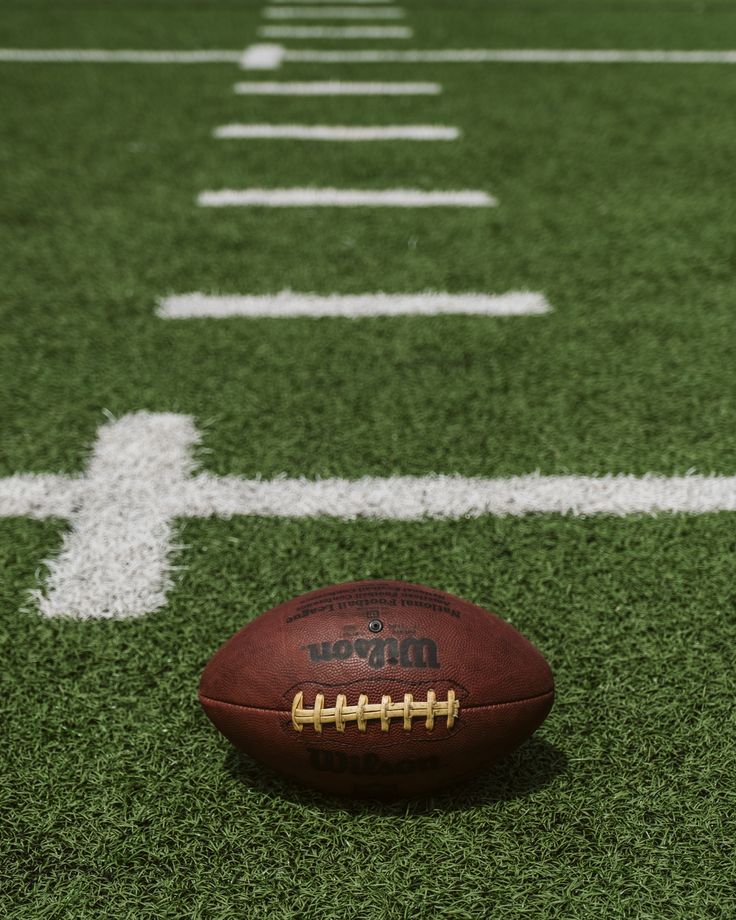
(340, 714)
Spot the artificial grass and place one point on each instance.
(121, 800)
(118, 798)
(467, 23)
(607, 205)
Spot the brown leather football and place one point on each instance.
(377, 689)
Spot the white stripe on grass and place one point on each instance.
(522, 56)
(115, 561)
(332, 12)
(288, 304)
(343, 198)
(272, 56)
(336, 88)
(262, 56)
(336, 32)
(99, 56)
(337, 132)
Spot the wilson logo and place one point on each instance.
(407, 653)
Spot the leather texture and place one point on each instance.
(378, 638)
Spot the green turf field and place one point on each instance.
(118, 799)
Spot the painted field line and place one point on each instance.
(115, 560)
(337, 132)
(343, 198)
(523, 56)
(98, 56)
(336, 88)
(262, 56)
(336, 32)
(288, 304)
(332, 12)
(271, 56)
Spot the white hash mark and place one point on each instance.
(290, 304)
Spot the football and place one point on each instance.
(379, 689)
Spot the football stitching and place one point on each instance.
(364, 712)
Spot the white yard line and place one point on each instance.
(522, 56)
(272, 56)
(406, 498)
(115, 561)
(343, 198)
(262, 56)
(98, 56)
(288, 304)
(336, 88)
(337, 132)
(40, 495)
(331, 12)
(338, 33)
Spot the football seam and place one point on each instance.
(463, 708)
